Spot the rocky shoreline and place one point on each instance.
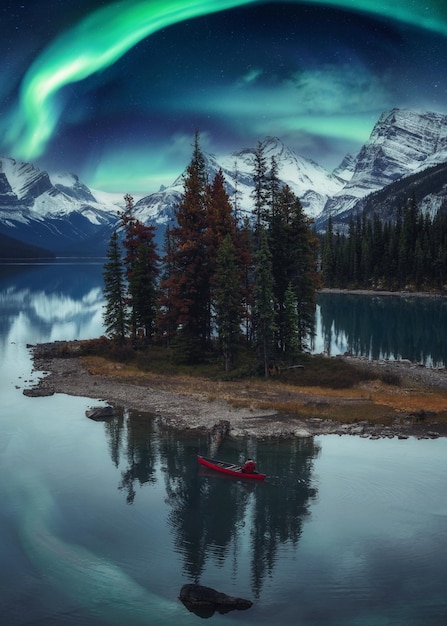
(192, 411)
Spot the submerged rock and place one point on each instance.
(204, 601)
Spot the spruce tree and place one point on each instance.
(293, 246)
(116, 318)
(260, 192)
(304, 277)
(220, 224)
(245, 260)
(291, 338)
(264, 303)
(141, 261)
(228, 298)
(327, 260)
(166, 315)
(188, 285)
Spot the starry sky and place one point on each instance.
(113, 91)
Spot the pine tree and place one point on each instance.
(244, 252)
(294, 247)
(141, 261)
(116, 318)
(166, 322)
(260, 192)
(188, 285)
(228, 301)
(273, 186)
(220, 224)
(291, 338)
(328, 261)
(264, 303)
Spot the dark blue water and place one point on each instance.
(383, 327)
(103, 523)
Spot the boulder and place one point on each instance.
(204, 601)
(100, 413)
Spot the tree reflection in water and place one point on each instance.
(132, 435)
(385, 326)
(213, 516)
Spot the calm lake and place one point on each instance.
(103, 523)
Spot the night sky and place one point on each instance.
(113, 91)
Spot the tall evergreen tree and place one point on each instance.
(228, 299)
(260, 192)
(244, 252)
(293, 246)
(141, 261)
(273, 186)
(188, 285)
(166, 322)
(116, 319)
(328, 261)
(220, 224)
(291, 341)
(264, 303)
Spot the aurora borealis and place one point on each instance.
(113, 91)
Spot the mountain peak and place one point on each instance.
(402, 142)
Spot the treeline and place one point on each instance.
(407, 253)
(222, 283)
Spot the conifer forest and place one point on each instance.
(222, 283)
(225, 284)
(407, 253)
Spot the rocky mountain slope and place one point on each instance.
(402, 143)
(58, 213)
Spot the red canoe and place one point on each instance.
(228, 468)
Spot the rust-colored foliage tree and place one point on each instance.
(186, 288)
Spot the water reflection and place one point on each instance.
(133, 436)
(46, 302)
(213, 517)
(385, 327)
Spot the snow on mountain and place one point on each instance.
(309, 181)
(53, 211)
(59, 212)
(49, 195)
(345, 170)
(402, 142)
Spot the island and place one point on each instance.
(264, 409)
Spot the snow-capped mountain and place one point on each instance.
(402, 143)
(58, 212)
(309, 181)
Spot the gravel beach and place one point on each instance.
(186, 410)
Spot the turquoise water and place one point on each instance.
(103, 523)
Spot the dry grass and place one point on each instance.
(368, 399)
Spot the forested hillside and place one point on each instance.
(408, 253)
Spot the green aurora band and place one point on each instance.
(107, 34)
